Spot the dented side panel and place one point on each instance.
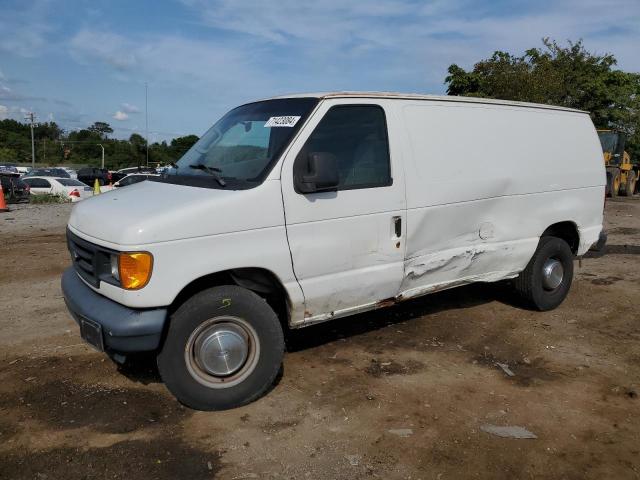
(484, 182)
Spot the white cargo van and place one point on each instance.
(299, 209)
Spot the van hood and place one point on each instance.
(151, 212)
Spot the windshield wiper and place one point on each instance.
(213, 171)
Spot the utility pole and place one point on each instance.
(102, 147)
(44, 151)
(30, 116)
(146, 120)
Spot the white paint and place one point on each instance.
(284, 121)
(343, 244)
(475, 183)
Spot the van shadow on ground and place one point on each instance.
(141, 368)
(460, 297)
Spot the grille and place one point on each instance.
(90, 261)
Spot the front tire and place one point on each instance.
(546, 280)
(224, 349)
(613, 185)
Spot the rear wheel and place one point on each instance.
(223, 349)
(546, 280)
(630, 184)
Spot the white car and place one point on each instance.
(130, 179)
(69, 188)
(301, 209)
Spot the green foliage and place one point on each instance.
(54, 147)
(7, 155)
(48, 198)
(566, 76)
(101, 128)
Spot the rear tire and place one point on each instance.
(630, 184)
(546, 280)
(224, 349)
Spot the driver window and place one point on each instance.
(357, 136)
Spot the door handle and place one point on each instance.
(397, 225)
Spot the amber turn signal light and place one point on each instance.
(134, 269)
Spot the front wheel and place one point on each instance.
(546, 280)
(224, 348)
(613, 182)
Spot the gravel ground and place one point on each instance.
(410, 392)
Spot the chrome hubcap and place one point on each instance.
(221, 349)
(222, 352)
(552, 274)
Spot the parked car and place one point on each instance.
(128, 180)
(69, 188)
(72, 173)
(14, 189)
(302, 209)
(89, 175)
(123, 172)
(8, 168)
(47, 172)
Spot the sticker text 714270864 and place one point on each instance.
(284, 121)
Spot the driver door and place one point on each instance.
(347, 245)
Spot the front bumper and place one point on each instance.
(123, 329)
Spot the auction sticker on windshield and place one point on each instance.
(286, 121)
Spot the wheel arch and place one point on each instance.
(259, 280)
(567, 231)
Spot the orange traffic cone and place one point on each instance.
(3, 204)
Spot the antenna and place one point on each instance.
(146, 120)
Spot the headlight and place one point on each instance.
(115, 272)
(133, 268)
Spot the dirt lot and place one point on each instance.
(399, 393)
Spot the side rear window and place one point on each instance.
(39, 183)
(357, 136)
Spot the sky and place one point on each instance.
(76, 62)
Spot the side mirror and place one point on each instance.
(321, 174)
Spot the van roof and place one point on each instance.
(440, 98)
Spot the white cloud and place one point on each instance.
(24, 27)
(4, 112)
(115, 50)
(128, 108)
(333, 44)
(175, 60)
(420, 38)
(120, 116)
(253, 49)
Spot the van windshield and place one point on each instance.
(241, 148)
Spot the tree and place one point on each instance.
(101, 128)
(80, 147)
(566, 76)
(180, 145)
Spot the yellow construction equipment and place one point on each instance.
(622, 174)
